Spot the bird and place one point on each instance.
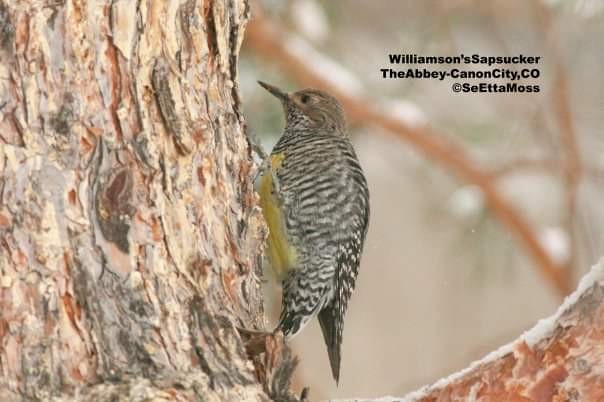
(315, 200)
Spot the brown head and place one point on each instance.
(310, 109)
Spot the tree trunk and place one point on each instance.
(129, 229)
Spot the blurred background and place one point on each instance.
(469, 247)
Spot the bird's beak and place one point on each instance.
(279, 94)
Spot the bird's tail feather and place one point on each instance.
(333, 338)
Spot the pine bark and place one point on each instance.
(130, 233)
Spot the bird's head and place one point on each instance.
(310, 109)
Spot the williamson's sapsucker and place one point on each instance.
(315, 200)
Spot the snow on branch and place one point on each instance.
(559, 359)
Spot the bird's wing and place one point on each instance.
(348, 261)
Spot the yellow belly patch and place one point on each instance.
(282, 257)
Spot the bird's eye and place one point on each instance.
(305, 99)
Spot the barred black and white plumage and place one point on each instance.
(316, 201)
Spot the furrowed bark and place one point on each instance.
(129, 229)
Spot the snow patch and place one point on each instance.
(310, 19)
(557, 243)
(407, 111)
(466, 202)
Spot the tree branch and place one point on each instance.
(573, 166)
(559, 359)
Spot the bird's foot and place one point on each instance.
(254, 340)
